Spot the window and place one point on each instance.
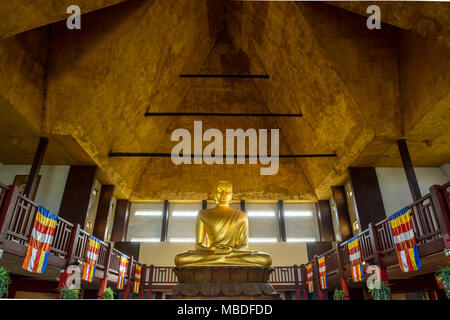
(262, 222)
(182, 217)
(301, 222)
(145, 222)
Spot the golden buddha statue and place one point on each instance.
(221, 236)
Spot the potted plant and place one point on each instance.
(379, 290)
(339, 294)
(444, 278)
(70, 293)
(108, 294)
(5, 280)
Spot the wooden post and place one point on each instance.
(8, 209)
(72, 244)
(104, 281)
(243, 205)
(36, 166)
(375, 242)
(165, 221)
(142, 284)
(442, 213)
(297, 283)
(103, 209)
(281, 221)
(304, 281)
(126, 290)
(344, 285)
(342, 214)
(409, 169)
(150, 280)
(317, 278)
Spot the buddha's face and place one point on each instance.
(223, 193)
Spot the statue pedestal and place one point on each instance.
(223, 282)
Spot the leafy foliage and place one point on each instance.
(444, 275)
(379, 290)
(339, 294)
(108, 294)
(5, 280)
(70, 293)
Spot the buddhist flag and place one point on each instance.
(354, 253)
(122, 271)
(405, 242)
(41, 240)
(322, 271)
(309, 275)
(137, 277)
(92, 251)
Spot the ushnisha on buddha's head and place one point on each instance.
(223, 193)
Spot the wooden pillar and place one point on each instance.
(142, 284)
(121, 217)
(104, 205)
(367, 196)
(343, 217)
(36, 166)
(165, 221)
(297, 283)
(243, 205)
(409, 169)
(126, 290)
(304, 281)
(325, 220)
(442, 213)
(281, 221)
(77, 194)
(104, 281)
(150, 281)
(344, 285)
(317, 279)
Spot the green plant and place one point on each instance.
(444, 278)
(379, 290)
(70, 293)
(108, 294)
(339, 294)
(5, 280)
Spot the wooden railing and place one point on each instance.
(429, 230)
(429, 218)
(70, 242)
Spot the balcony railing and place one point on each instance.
(430, 219)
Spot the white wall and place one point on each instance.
(51, 186)
(394, 186)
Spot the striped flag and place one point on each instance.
(122, 271)
(309, 275)
(322, 271)
(41, 240)
(354, 253)
(137, 277)
(405, 241)
(92, 251)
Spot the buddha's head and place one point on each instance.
(223, 193)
